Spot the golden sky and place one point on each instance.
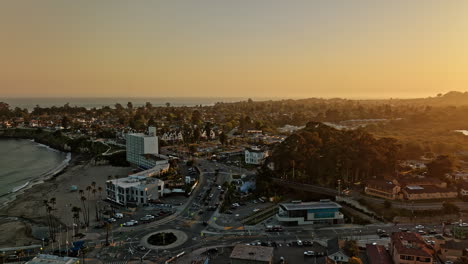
(221, 48)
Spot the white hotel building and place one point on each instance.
(143, 149)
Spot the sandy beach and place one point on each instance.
(29, 208)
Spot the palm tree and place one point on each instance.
(100, 198)
(83, 204)
(108, 227)
(88, 189)
(48, 212)
(76, 217)
(94, 191)
(52, 203)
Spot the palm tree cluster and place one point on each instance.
(52, 223)
(86, 202)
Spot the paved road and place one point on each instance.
(356, 196)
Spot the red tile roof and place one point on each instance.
(377, 254)
(410, 244)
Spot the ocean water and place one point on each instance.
(30, 103)
(25, 162)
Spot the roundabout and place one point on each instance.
(164, 239)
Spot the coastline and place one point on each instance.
(39, 179)
(23, 219)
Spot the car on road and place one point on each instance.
(299, 243)
(112, 220)
(307, 243)
(309, 253)
(419, 227)
(256, 210)
(219, 187)
(421, 232)
(118, 215)
(383, 235)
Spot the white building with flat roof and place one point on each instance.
(135, 189)
(52, 259)
(255, 155)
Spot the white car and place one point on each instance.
(118, 215)
(150, 216)
(309, 253)
(299, 243)
(111, 220)
(419, 227)
(130, 223)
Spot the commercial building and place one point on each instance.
(246, 254)
(134, 190)
(255, 155)
(143, 150)
(382, 189)
(52, 259)
(418, 192)
(300, 213)
(409, 248)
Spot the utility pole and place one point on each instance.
(339, 187)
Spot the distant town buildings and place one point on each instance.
(410, 188)
(303, 213)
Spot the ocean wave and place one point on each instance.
(11, 196)
(19, 187)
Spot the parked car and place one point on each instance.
(112, 220)
(299, 243)
(419, 227)
(118, 215)
(309, 253)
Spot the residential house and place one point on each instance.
(335, 254)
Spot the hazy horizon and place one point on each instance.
(359, 49)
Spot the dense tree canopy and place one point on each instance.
(322, 154)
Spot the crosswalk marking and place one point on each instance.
(116, 262)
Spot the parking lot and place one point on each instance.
(241, 212)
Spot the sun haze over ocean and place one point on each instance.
(212, 48)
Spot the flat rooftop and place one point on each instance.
(254, 253)
(51, 259)
(310, 205)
